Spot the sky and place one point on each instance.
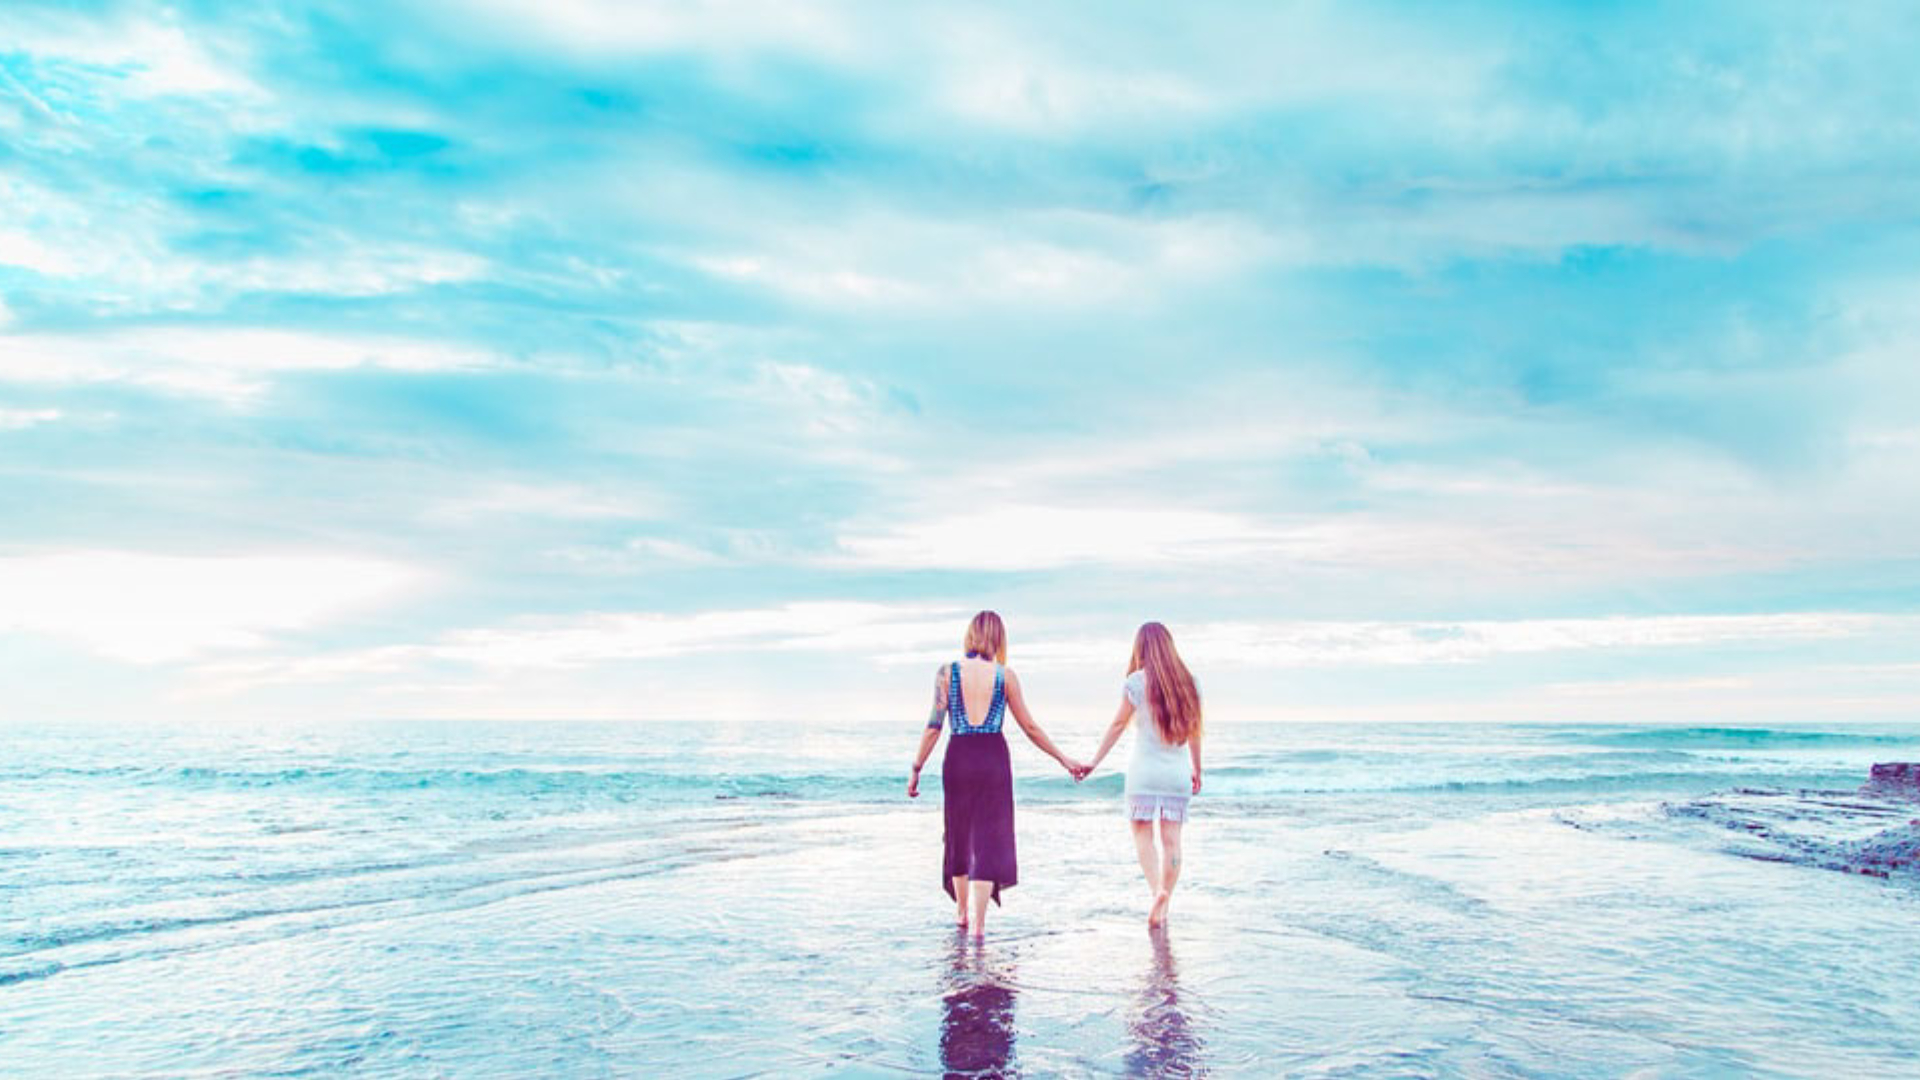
(587, 359)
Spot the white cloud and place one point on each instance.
(656, 551)
(720, 27)
(155, 58)
(1821, 693)
(808, 279)
(156, 608)
(372, 270)
(1901, 441)
(138, 264)
(614, 663)
(1001, 81)
(230, 365)
(579, 641)
(28, 252)
(167, 61)
(1030, 537)
(808, 386)
(19, 419)
(1003, 533)
(558, 500)
(882, 260)
(1296, 644)
(823, 404)
(1636, 688)
(641, 555)
(1051, 71)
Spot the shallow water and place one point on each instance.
(507, 900)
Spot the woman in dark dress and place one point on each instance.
(972, 696)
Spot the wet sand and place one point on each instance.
(475, 919)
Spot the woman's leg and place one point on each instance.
(1169, 867)
(960, 898)
(982, 892)
(1149, 858)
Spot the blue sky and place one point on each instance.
(592, 359)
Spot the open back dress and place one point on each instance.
(976, 780)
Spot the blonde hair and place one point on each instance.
(1170, 689)
(987, 635)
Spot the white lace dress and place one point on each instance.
(1159, 773)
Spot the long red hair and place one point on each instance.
(1170, 689)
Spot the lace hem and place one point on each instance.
(1163, 807)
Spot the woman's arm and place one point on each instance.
(1193, 750)
(1120, 721)
(936, 722)
(1017, 702)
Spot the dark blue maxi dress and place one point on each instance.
(976, 779)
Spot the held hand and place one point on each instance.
(913, 784)
(1081, 772)
(1196, 781)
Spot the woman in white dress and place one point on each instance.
(1164, 769)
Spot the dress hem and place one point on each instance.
(1163, 807)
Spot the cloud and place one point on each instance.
(1461, 530)
(1296, 644)
(146, 56)
(1012, 537)
(847, 658)
(581, 641)
(628, 314)
(20, 419)
(1293, 645)
(722, 27)
(150, 609)
(232, 365)
(523, 499)
(21, 249)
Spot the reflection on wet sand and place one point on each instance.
(1164, 1041)
(976, 1031)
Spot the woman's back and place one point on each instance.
(980, 698)
(1156, 766)
(976, 778)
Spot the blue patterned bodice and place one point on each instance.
(957, 708)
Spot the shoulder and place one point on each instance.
(941, 673)
(1137, 681)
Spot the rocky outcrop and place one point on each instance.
(1885, 854)
(1894, 778)
(1872, 831)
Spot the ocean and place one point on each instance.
(558, 899)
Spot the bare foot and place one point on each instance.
(1157, 914)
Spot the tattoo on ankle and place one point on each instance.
(1175, 860)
